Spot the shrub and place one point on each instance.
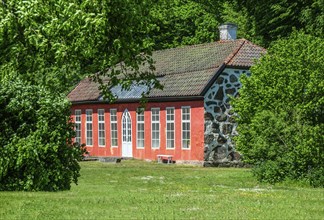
(36, 146)
(280, 112)
(316, 177)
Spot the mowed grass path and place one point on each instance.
(142, 190)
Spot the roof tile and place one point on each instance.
(184, 71)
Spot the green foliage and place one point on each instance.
(56, 42)
(46, 47)
(182, 23)
(177, 23)
(275, 19)
(312, 17)
(316, 177)
(36, 140)
(235, 13)
(280, 111)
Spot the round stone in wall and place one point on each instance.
(230, 91)
(220, 80)
(227, 128)
(221, 152)
(221, 118)
(217, 110)
(232, 118)
(237, 156)
(233, 78)
(209, 138)
(209, 116)
(221, 139)
(215, 127)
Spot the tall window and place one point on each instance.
(155, 127)
(185, 127)
(77, 122)
(140, 128)
(113, 127)
(127, 127)
(170, 127)
(89, 127)
(101, 127)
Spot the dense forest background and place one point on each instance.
(57, 43)
(181, 22)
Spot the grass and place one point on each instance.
(141, 190)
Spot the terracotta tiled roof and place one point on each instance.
(193, 58)
(246, 55)
(184, 71)
(86, 90)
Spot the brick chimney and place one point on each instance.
(227, 31)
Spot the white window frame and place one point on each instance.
(101, 121)
(171, 121)
(139, 115)
(159, 129)
(182, 129)
(77, 122)
(112, 122)
(126, 127)
(89, 119)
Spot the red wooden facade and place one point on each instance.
(194, 153)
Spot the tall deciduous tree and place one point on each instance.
(54, 42)
(275, 19)
(179, 23)
(45, 48)
(36, 146)
(281, 112)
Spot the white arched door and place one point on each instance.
(127, 148)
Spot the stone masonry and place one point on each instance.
(220, 125)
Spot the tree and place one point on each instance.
(177, 23)
(278, 18)
(56, 42)
(312, 18)
(280, 111)
(235, 13)
(36, 150)
(45, 48)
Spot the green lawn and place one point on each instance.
(142, 190)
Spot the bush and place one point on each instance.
(316, 177)
(269, 171)
(280, 111)
(36, 146)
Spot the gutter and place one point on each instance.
(137, 100)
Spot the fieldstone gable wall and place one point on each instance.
(220, 125)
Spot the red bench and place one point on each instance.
(161, 157)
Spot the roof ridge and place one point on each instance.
(232, 55)
(198, 45)
(255, 45)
